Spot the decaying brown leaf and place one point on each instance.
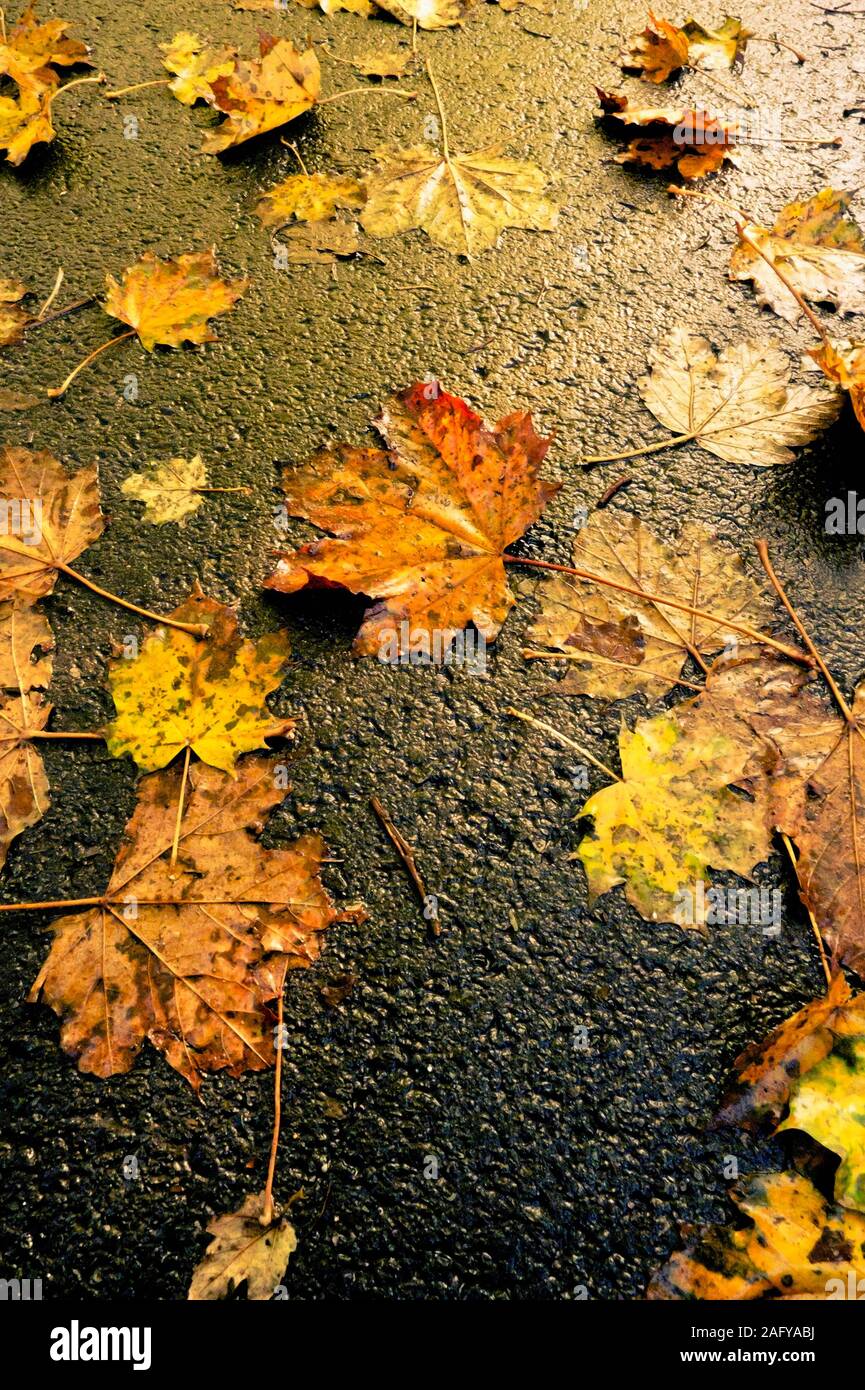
(797, 1245)
(380, 64)
(169, 302)
(618, 644)
(819, 248)
(53, 518)
(13, 319)
(693, 140)
(26, 644)
(319, 243)
(203, 693)
(258, 96)
(738, 404)
(422, 526)
(188, 957)
(309, 198)
(243, 1249)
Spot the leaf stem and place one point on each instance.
(779, 43)
(763, 552)
(531, 655)
(267, 1210)
(369, 91)
(644, 449)
(56, 391)
(813, 920)
(138, 87)
(718, 618)
(57, 902)
(29, 734)
(441, 110)
(785, 281)
(195, 629)
(53, 295)
(76, 82)
(406, 854)
(568, 742)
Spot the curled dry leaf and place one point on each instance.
(13, 319)
(797, 1245)
(195, 65)
(30, 48)
(189, 956)
(309, 198)
(170, 491)
(243, 1250)
(207, 694)
(462, 201)
(260, 96)
(663, 48)
(843, 362)
(738, 405)
(693, 140)
(817, 246)
(422, 526)
(619, 644)
(673, 815)
(26, 644)
(170, 301)
(54, 518)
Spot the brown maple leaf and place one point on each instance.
(260, 96)
(423, 525)
(189, 957)
(693, 140)
(51, 518)
(26, 643)
(658, 52)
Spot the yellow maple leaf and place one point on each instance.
(309, 198)
(260, 96)
(170, 301)
(195, 66)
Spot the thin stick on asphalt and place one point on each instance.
(813, 920)
(406, 854)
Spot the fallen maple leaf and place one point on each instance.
(423, 526)
(618, 644)
(843, 362)
(25, 121)
(319, 243)
(829, 1105)
(673, 815)
(170, 491)
(260, 96)
(30, 48)
(185, 953)
(693, 140)
(738, 405)
(818, 247)
(377, 64)
(798, 1245)
(204, 694)
(170, 301)
(195, 66)
(13, 319)
(26, 644)
(309, 198)
(55, 518)
(765, 1072)
(244, 1250)
(663, 48)
(463, 202)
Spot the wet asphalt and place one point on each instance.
(559, 1065)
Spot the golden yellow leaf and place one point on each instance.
(714, 50)
(195, 66)
(422, 526)
(25, 121)
(797, 1245)
(26, 644)
(260, 96)
(618, 644)
(378, 64)
(51, 518)
(170, 491)
(188, 955)
(243, 1250)
(843, 362)
(207, 694)
(30, 48)
(462, 201)
(170, 301)
(829, 1104)
(309, 198)
(817, 246)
